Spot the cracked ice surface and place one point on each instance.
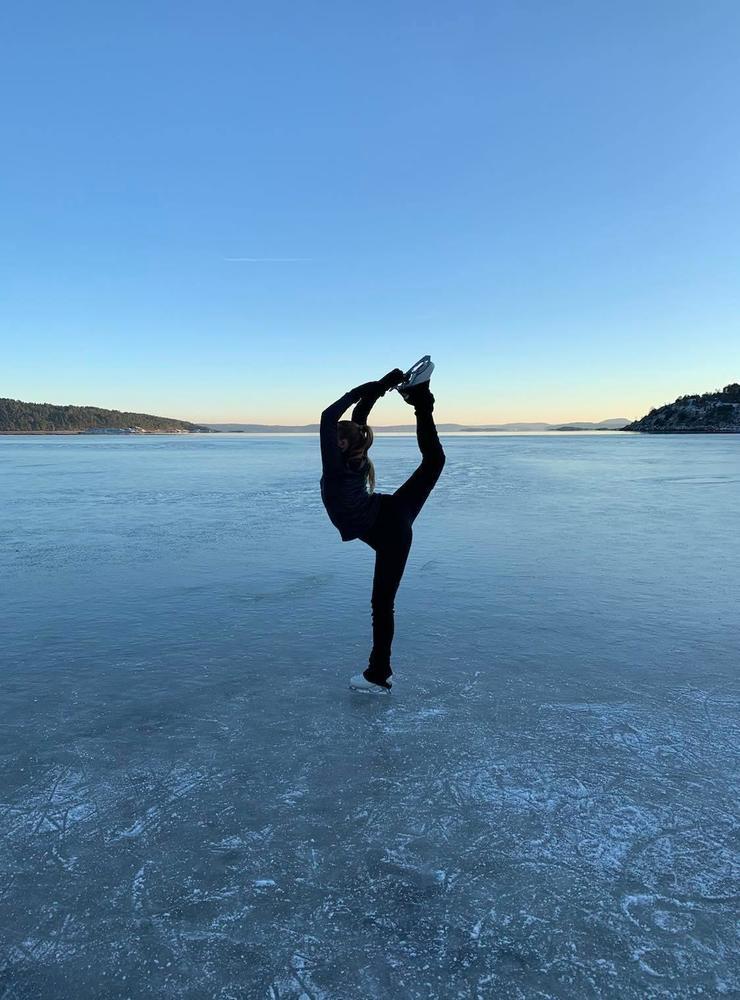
(194, 805)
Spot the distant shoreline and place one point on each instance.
(552, 432)
(288, 433)
(89, 434)
(97, 435)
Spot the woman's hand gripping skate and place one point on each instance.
(391, 380)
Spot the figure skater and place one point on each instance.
(381, 520)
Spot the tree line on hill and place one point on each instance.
(730, 394)
(49, 418)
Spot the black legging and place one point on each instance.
(391, 537)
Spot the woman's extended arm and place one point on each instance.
(369, 399)
(331, 456)
(368, 392)
(367, 402)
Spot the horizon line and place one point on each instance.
(457, 423)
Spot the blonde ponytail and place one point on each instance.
(359, 438)
(370, 476)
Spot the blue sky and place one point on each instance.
(543, 195)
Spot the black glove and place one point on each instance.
(392, 379)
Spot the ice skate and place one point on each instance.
(415, 388)
(360, 683)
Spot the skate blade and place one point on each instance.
(417, 367)
(376, 690)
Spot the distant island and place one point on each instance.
(711, 413)
(17, 417)
(614, 424)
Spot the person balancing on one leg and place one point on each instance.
(381, 520)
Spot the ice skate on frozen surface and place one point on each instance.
(360, 683)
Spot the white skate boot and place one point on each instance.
(418, 373)
(359, 683)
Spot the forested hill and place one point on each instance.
(47, 418)
(711, 413)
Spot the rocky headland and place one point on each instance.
(711, 413)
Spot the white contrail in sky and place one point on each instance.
(267, 260)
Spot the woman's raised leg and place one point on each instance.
(413, 494)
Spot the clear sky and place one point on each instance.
(235, 211)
